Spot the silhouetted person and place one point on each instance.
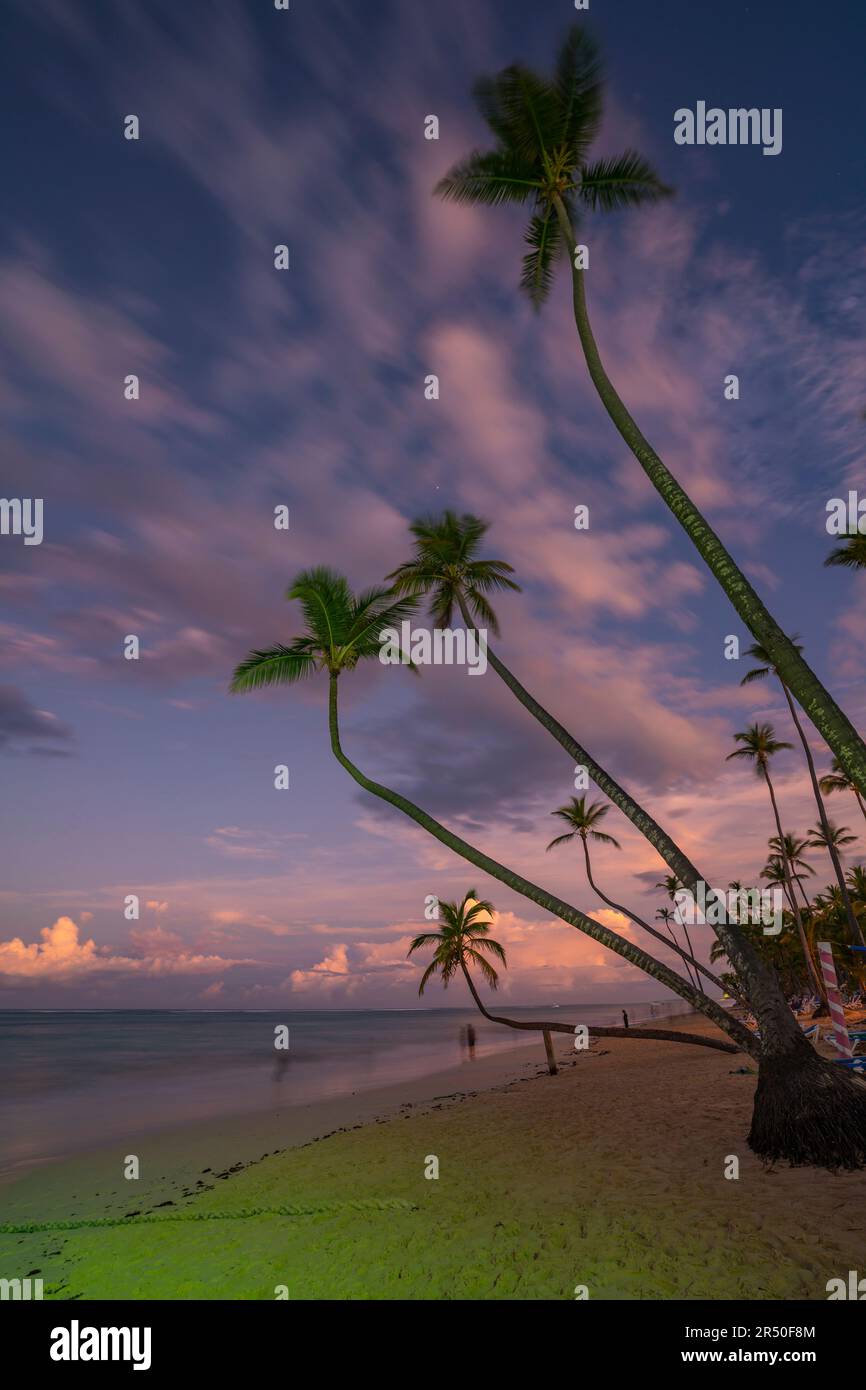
(470, 1040)
(624, 1019)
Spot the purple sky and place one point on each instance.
(306, 387)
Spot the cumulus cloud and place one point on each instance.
(61, 958)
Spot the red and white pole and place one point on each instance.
(839, 1035)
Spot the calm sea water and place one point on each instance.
(76, 1079)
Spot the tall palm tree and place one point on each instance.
(838, 781)
(806, 1111)
(759, 745)
(543, 129)
(851, 554)
(765, 668)
(583, 817)
(459, 945)
(447, 567)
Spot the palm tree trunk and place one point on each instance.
(807, 954)
(817, 702)
(654, 1034)
(853, 924)
(806, 1111)
(689, 960)
(556, 906)
(739, 950)
(860, 801)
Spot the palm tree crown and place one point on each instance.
(543, 129)
(446, 565)
(852, 553)
(759, 743)
(342, 629)
(583, 817)
(837, 835)
(459, 943)
(766, 666)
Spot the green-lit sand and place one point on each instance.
(610, 1175)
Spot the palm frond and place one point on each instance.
(578, 84)
(277, 665)
(489, 177)
(624, 181)
(544, 237)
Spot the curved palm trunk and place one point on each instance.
(689, 961)
(853, 924)
(657, 1034)
(860, 801)
(548, 901)
(806, 1111)
(743, 958)
(818, 703)
(792, 898)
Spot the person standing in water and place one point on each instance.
(624, 1019)
(470, 1040)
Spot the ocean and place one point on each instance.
(75, 1079)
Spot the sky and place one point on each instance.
(305, 388)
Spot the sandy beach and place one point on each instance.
(610, 1175)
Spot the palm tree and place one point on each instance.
(792, 849)
(852, 553)
(667, 915)
(759, 673)
(832, 837)
(459, 945)
(543, 129)
(759, 746)
(839, 781)
(583, 817)
(673, 885)
(343, 629)
(806, 1111)
(447, 566)
(776, 874)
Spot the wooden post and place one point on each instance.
(548, 1047)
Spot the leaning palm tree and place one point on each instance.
(543, 129)
(765, 668)
(583, 817)
(851, 554)
(759, 745)
(838, 781)
(341, 630)
(448, 567)
(460, 944)
(806, 1111)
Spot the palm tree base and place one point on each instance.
(809, 1112)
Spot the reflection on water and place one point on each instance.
(73, 1079)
